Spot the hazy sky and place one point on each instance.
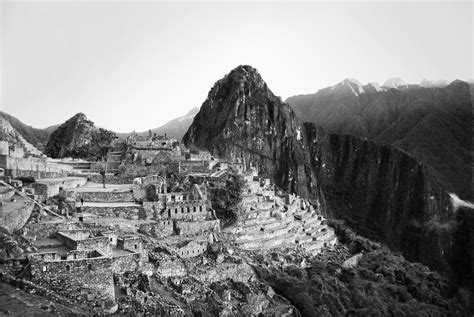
(134, 66)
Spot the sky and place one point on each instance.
(136, 65)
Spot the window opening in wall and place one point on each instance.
(200, 208)
(68, 268)
(194, 208)
(136, 246)
(89, 266)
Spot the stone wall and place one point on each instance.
(124, 212)
(194, 227)
(4, 148)
(170, 268)
(153, 207)
(15, 219)
(49, 188)
(74, 278)
(6, 193)
(158, 229)
(194, 166)
(95, 243)
(130, 243)
(190, 209)
(126, 262)
(101, 196)
(33, 166)
(238, 272)
(138, 192)
(80, 240)
(109, 178)
(141, 170)
(192, 249)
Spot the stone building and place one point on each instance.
(77, 260)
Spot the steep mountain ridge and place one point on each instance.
(382, 192)
(36, 137)
(432, 124)
(14, 137)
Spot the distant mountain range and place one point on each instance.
(36, 137)
(175, 128)
(28, 136)
(431, 123)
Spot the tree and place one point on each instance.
(101, 141)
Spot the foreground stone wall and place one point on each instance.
(33, 166)
(74, 278)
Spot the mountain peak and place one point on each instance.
(394, 82)
(353, 84)
(244, 74)
(238, 104)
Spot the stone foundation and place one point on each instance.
(75, 278)
(115, 196)
(50, 187)
(124, 212)
(197, 227)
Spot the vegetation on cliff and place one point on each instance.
(225, 199)
(380, 284)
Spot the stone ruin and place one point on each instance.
(272, 221)
(76, 261)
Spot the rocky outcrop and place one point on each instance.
(70, 137)
(381, 191)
